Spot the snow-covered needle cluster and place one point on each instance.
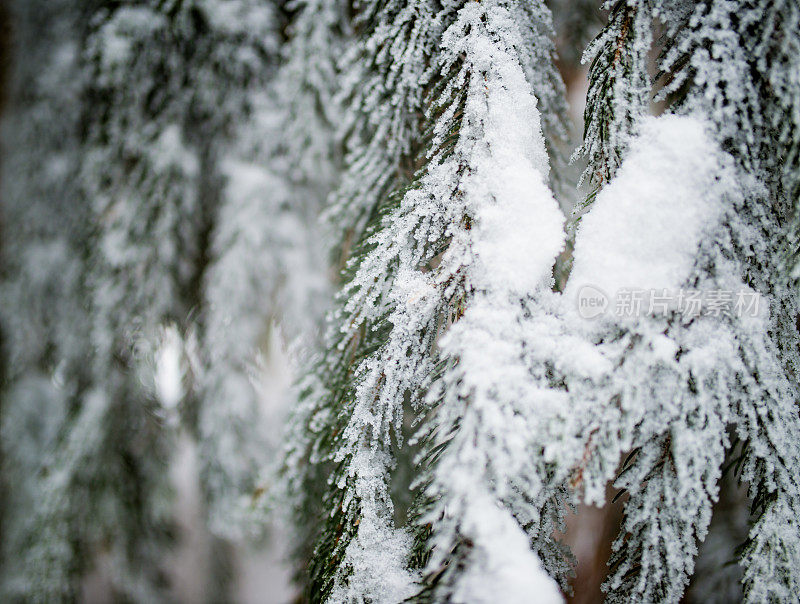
(189, 185)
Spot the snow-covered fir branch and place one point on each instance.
(394, 307)
(619, 87)
(678, 382)
(663, 398)
(501, 233)
(385, 77)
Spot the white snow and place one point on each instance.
(168, 369)
(505, 568)
(644, 229)
(489, 398)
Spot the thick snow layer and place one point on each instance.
(505, 568)
(644, 229)
(518, 237)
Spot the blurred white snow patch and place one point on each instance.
(263, 575)
(644, 229)
(169, 370)
(247, 180)
(171, 151)
(117, 36)
(273, 377)
(235, 16)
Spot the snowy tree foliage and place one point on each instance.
(43, 321)
(374, 163)
(175, 193)
(136, 171)
(663, 380)
(619, 86)
(717, 576)
(701, 374)
(491, 176)
(235, 295)
(383, 85)
(405, 279)
(661, 388)
(185, 183)
(267, 258)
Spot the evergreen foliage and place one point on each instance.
(43, 321)
(731, 377)
(186, 182)
(163, 89)
(403, 282)
(619, 87)
(481, 489)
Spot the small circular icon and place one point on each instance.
(592, 302)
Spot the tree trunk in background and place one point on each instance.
(589, 534)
